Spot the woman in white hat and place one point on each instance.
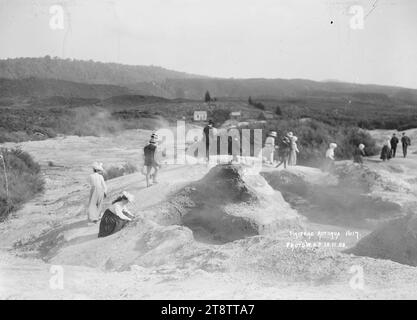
(292, 160)
(269, 147)
(98, 192)
(117, 216)
(329, 158)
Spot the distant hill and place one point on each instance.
(44, 88)
(85, 71)
(156, 81)
(133, 100)
(276, 89)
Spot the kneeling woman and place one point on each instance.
(116, 217)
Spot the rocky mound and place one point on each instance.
(232, 203)
(227, 204)
(395, 240)
(354, 195)
(140, 243)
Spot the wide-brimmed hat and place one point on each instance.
(98, 166)
(154, 138)
(273, 134)
(333, 145)
(128, 196)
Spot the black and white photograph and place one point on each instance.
(208, 150)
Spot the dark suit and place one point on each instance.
(394, 142)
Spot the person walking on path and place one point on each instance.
(394, 142)
(292, 160)
(405, 141)
(150, 161)
(329, 159)
(359, 153)
(209, 138)
(98, 191)
(116, 217)
(284, 149)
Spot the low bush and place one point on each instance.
(114, 172)
(24, 180)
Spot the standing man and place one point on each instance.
(394, 142)
(150, 161)
(405, 140)
(208, 135)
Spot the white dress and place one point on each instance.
(292, 161)
(97, 191)
(269, 148)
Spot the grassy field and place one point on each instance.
(316, 121)
(361, 110)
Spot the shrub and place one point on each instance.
(207, 97)
(23, 178)
(278, 111)
(407, 126)
(114, 172)
(352, 138)
(219, 116)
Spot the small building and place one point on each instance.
(269, 115)
(235, 115)
(200, 115)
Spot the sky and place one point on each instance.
(309, 39)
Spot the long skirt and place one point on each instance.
(110, 223)
(95, 203)
(328, 165)
(268, 153)
(292, 161)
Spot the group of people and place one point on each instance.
(117, 215)
(286, 149)
(329, 158)
(388, 151)
(389, 148)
